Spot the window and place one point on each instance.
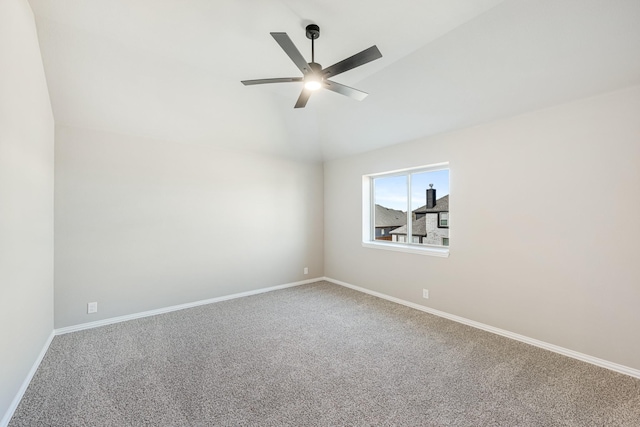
(411, 206)
(443, 219)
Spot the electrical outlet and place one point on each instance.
(306, 270)
(425, 293)
(92, 307)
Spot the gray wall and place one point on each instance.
(544, 226)
(26, 200)
(143, 224)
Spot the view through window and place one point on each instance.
(420, 198)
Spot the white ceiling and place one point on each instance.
(171, 69)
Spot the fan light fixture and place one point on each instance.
(313, 79)
(312, 84)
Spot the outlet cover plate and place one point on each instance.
(92, 307)
(425, 293)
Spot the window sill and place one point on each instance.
(412, 249)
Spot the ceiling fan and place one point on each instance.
(313, 75)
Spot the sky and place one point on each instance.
(391, 192)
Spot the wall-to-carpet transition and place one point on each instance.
(315, 355)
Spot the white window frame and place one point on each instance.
(368, 210)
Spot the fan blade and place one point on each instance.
(304, 97)
(354, 61)
(345, 90)
(264, 81)
(290, 49)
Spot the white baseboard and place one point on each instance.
(551, 347)
(23, 388)
(112, 320)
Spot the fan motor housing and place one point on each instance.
(315, 67)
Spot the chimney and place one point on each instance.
(431, 197)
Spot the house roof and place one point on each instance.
(419, 228)
(420, 225)
(442, 205)
(386, 217)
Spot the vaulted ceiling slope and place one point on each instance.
(171, 69)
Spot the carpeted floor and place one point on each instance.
(315, 355)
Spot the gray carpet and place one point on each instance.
(315, 355)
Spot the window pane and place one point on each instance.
(429, 201)
(390, 213)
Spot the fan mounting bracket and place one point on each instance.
(313, 32)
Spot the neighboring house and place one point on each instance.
(430, 223)
(387, 220)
